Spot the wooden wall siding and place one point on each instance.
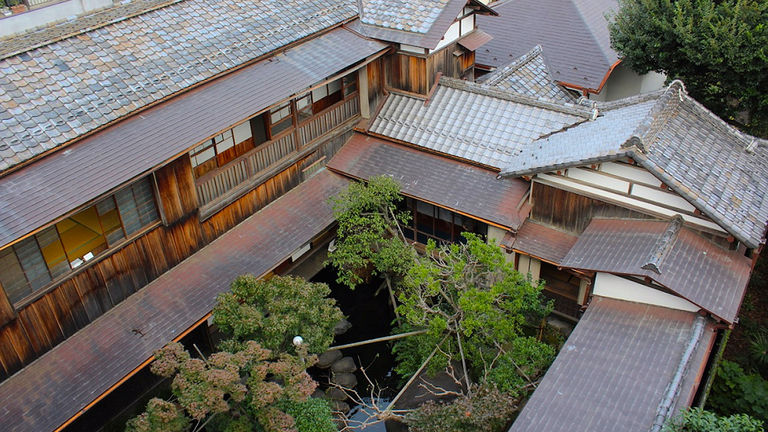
(248, 165)
(251, 202)
(573, 212)
(408, 73)
(375, 73)
(89, 293)
(6, 308)
(328, 120)
(176, 189)
(444, 61)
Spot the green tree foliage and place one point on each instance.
(735, 391)
(242, 390)
(719, 48)
(699, 420)
(486, 410)
(368, 239)
(468, 295)
(273, 311)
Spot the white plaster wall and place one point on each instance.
(498, 235)
(625, 82)
(608, 285)
(49, 14)
(529, 266)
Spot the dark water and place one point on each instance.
(371, 316)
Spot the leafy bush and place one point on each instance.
(699, 420)
(312, 415)
(486, 409)
(524, 362)
(735, 392)
(273, 311)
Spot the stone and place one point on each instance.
(318, 394)
(335, 394)
(342, 327)
(340, 407)
(346, 380)
(327, 358)
(344, 364)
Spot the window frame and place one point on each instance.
(32, 294)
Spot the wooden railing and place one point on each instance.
(218, 184)
(323, 122)
(239, 170)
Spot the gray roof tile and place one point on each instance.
(573, 33)
(613, 371)
(528, 75)
(143, 53)
(412, 16)
(474, 122)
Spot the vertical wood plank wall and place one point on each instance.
(573, 212)
(407, 73)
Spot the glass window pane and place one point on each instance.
(32, 262)
(12, 276)
(110, 220)
(303, 101)
(81, 235)
(334, 86)
(128, 211)
(224, 145)
(53, 251)
(283, 125)
(145, 201)
(319, 93)
(242, 132)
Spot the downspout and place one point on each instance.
(662, 412)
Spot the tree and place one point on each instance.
(699, 420)
(273, 311)
(468, 295)
(719, 48)
(734, 391)
(368, 239)
(244, 390)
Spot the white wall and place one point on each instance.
(608, 285)
(49, 14)
(624, 82)
(498, 235)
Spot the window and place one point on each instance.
(32, 263)
(227, 146)
(280, 118)
(324, 96)
(432, 222)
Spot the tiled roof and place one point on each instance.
(720, 170)
(688, 264)
(543, 242)
(51, 390)
(573, 33)
(448, 183)
(52, 186)
(474, 122)
(59, 91)
(615, 369)
(528, 75)
(415, 16)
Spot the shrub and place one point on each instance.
(486, 409)
(735, 392)
(699, 420)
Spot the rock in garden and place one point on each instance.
(342, 327)
(318, 394)
(345, 364)
(347, 380)
(335, 394)
(339, 406)
(327, 358)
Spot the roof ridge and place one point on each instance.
(494, 92)
(657, 117)
(664, 244)
(514, 66)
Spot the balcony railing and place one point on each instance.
(323, 122)
(217, 185)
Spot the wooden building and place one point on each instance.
(147, 161)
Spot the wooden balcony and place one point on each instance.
(216, 189)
